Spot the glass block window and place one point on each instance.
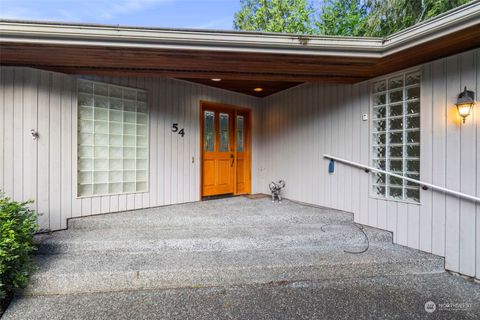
(396, 136)
(112, 139)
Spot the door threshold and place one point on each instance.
(220, 196)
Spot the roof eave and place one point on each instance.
(169, 39)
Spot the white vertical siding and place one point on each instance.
(450, 155)
(367, 207)
(452, 204)
(8, 85)
(45, 170)
(30, 145)
(66, 159)
(2, 125)
(18, 135)
(468, 164)
(55, 151)
(477, 120)
(435, 207)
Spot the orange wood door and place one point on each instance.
(218, 159)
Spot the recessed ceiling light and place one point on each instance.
(216, 79)
(258, 89)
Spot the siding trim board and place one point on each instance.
(303, 122)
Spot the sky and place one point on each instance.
(197, 14)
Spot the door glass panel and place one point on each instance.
(208, 131)
(224, 134)
(240, 143)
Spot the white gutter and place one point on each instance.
(150, 38)
(110, 36)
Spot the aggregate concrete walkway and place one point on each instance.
(236, 259)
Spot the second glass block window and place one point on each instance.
(113, 139)
(396, 135)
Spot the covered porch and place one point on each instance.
(317, 97)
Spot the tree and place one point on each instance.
(373, 18)
(389, 16)
(287, 16)
(342, 17)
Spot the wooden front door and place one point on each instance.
(225, 144)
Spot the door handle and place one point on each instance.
(233, 159)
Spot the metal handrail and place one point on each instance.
(419, 182)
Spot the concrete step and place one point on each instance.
(216, 243)
(112, 271)
(237, 211)
(231, 238)
(388, 297)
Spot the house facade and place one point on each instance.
(101, 119)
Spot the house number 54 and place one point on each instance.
(175, 129)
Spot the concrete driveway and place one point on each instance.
(236, 258)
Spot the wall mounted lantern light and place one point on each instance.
(465, 103)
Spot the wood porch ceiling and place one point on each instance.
(239, 71)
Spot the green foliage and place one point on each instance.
(373, 18)
(290, 16)
(17, 227)
(342, 18)
(389, 16)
